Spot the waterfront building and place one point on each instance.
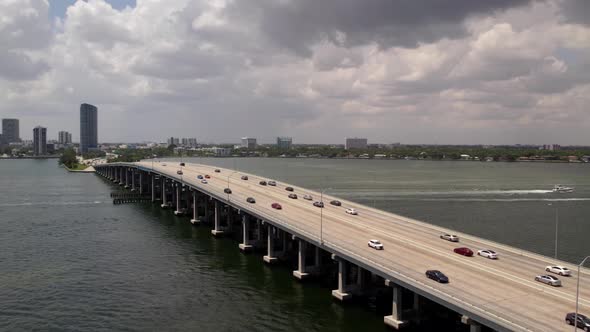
(64, 138)
(10, 130)
(355, 143)
(191, 142)
(284, 143)
(88, 128)
(248, 143)
(39, 141)
(173, 141)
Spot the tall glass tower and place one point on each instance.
(88, 128)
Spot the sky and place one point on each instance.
(415, 72)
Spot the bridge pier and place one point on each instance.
(270, 257)
(473, 325)
(301, 272)
(133, 179)
(245, 246)
(217, 231)
(153, 178)
(195, 220)
(342, 293)
(140, 182)
(395, 319)
(164, 204)
(121, 176)
(126, 178)
(178, 210)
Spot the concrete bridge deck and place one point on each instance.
(501, 294)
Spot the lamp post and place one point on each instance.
(578, 293)
(322, 215)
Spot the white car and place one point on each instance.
(272, 183)
(351, 211)
(450, 237)
(549, 280)
(307, 197)
(204, 181)
(375, 244)
(562, 271)
(488, 254)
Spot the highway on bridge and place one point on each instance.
(502, 291)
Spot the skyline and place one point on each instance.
(474, 72)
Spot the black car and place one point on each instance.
(250, 200)
(437, 276)
(318, 204)
(227, 191)
(337, 203)
(293, 196)
(583, 321)
(289, 188)
(244, 177)
(181, 164)
(217, 171)
(262, 183)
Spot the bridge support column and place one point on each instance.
(121, 169)
(126, 178)
(245, 245)
(133, 175)
(216, 231)
(164, 204)
(270, 257)
(178, 211)
(395, 319)
(301, 273)
(140, 182)
(195, 219)
(153, 178)
(342, 293)
(473, 325)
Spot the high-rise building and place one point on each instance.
(249, 142)
(88, 128)
(10, 130)
(173, 140)
(39, 141)
(192, 142)
(64, 137)
(284, 143)
(355, 143)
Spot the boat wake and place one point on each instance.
(48, 203)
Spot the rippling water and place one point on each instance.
(70, 260)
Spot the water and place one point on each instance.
(70, 260)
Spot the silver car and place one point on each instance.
(549, 280)
(450, 237)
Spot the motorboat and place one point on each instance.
(558, 188)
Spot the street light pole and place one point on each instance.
(322, 215)
(578, 293)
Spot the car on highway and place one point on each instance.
(307, 197)
(272, 183)
(375, 244)
(276, 206)
(549, 280)
(293, 196)
(181, 164)
(262, 183)
(289, 188)
(179, 172)
(204, 181)
(199, 177)
(450, 237)
(318, 204)
(583, 321)
(336, 203)
(487, 253)
(244, 177)
(227, 191)
(207, 176)
(562, 271)
(164, 164)
(437, 276)
(351, 211)
(217, 171)
(250, 200)
(463, 251)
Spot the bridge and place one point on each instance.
(497, 294)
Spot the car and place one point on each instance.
(549, 280)
(164, 164)
(293, 196)
(318, 204)
(204, 181)
(450, 237)
(179, 172)
(207, 176)
(199, 177)
(244, 177)
(272, 183)
(375, 244)
(262, 183)
(437, 276)
(217, 171)
(307, 197)
(289, 188)
(250, 200)
(227, 191)
(583, 321)
(562, 271)
(487, 253)
(181, 164)
(336, 203)
(463, 251)
(276, 206)
(351, 211)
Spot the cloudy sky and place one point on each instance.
(410, 71)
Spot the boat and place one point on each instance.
(558, 188)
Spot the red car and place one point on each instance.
(276, 206)
(464, 251)
(207, 176)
